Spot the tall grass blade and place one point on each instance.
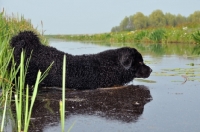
(17, 112)
(26, 109)
(4, 112)
(9, 26)
(62, 103)
(61, 116)
(46, 72)
(32, 101)
(19, 102)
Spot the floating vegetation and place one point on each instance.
(144, 80)
(150, 62)
(190, 74)
(191, 64)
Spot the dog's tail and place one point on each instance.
(25, 39)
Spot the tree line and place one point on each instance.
(156, 19)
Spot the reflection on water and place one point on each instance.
(145, 49)
(156, 49)
(123, 104)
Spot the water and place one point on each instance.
(168, 104)
(174, 106)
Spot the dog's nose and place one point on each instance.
(151, 70)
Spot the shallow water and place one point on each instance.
(166, 105)
(166, 102)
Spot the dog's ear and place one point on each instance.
(126, 60)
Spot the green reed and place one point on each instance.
(4, 113)
(11, 26)
(138, 37)
(23, 101)
(6, 76)
(157, 35)
(22, 94)
(196, 37)
(62, 103)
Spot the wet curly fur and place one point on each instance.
(105, 69)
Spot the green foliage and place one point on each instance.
(180, 34)
(4, 113)
(6, 76)
(157, 35)
(156, 19)
(170, 19)
(195, 17)
(139, 21)
(62, 103)
(10, 26)
(180, 19)
(196, 37)
(140, 35)
(22, 95)
(125, 24)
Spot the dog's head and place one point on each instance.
(27, 40)
(131, 59)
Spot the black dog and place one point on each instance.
(105, 69)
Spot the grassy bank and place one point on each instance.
(15, 96)
(180, 34)
(10, 26)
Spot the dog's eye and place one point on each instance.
(141, 63)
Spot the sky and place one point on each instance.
(90, 16)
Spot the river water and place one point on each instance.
(167, 101)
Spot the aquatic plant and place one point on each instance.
(189, 74)
(157, 35)
(140, 35)
(144, 80)
(22, 100)
(62, 103)
(10, 26)
(196, 37)
(6, 76)
(4, 113)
